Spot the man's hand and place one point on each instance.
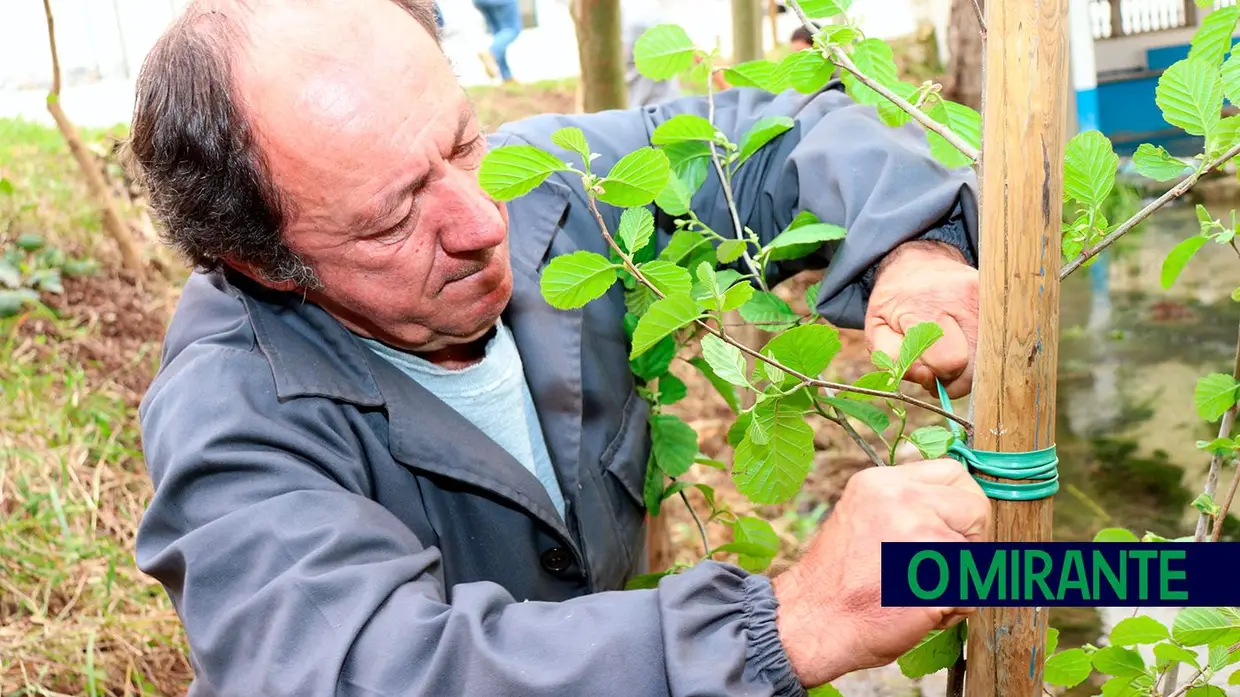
(830, 617)
(927, 282)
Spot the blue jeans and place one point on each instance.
(504, 24)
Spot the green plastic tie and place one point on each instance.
(1036, 473)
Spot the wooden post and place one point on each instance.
(601, 52)
(1024, 113)
(746, 31)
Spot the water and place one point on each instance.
(1130, 355)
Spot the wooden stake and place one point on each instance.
(112, 222)
(1025, 87)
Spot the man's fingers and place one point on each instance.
(943, 472)
(965, 512)
(882, 337)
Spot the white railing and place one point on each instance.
(1115, 18)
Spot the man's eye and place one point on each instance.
(469, 150)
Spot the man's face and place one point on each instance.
(375, 148)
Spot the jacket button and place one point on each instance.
(557, 560)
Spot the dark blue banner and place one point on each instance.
(1077, 574)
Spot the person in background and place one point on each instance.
(503, 18)
(801, 39)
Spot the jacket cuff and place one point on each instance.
(953, 232)
(765, 652)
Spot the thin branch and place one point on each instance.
(841, 59)
(1173, 193)
(632, 268)
(51, 40)
(981, 19)
(701, 526)
(1216, 462)
(1225, 507)
(1188, 685)
(842, 421)
(727, 191)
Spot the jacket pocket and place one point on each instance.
(626, 456)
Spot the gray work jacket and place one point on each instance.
(326, 526)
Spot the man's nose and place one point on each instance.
(468, 219)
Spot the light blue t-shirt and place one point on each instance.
(493, 395)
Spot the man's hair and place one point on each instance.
(802, 34)
(193, 147)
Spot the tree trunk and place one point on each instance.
(747, 18)
(963, 82)
(601, 53)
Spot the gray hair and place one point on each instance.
(192, 147)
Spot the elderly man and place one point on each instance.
(383, 465)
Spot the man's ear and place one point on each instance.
(251, 272)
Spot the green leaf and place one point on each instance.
(736, 296)
(773, 472)
(675, 198)
(1231, 78)
(1165, 654)
(762, 132)
(868, 414)
(683, 245)
(768, 311)
(932, 441)
(663, 52)
(31, 241)
(13, 302)
(873, 57)
(1138, 630)
(1205, 691)
(1118, 661)
(635, 229)
(1190, 95)
(1220, 657)
(689, 161)
(1225, 135)
(681, 128)
(10, 276)
(1089, 168)
(760, 536)
(890, 113)
(1214, 395)
(1178, 258)
(572, 280)
(1234, 679)
(878, 380)
(1128, 686)
(763, 74)
(824, 9)
(962, 120)
(815, 233)
(723, 387)
(638, 300)
(1116, 535)
(1213, 37)
(917, 340)
(1156, 163)
(1198, 626)
(669, 278)
(674, 444)
(6, 187)
(1206, 504)
(807, 70)
(636, 179)
(1052, 640)
(828, 691)
(572, 138)
(807, 349)
(1219, 446)
(937, 650)
(725, 360)
(664, 317)
(811, 297)
(1067, 668)
(672, 389)
(652, 489)
(510, 171)
(729, 251)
